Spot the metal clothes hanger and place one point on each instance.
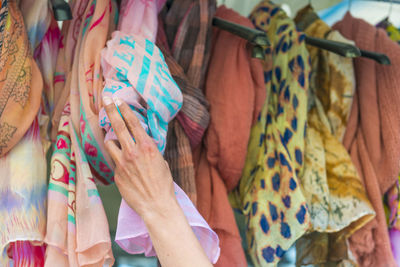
(254, 36)
(347, 50)
(61, 9)
(343, 49)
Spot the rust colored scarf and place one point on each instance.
(234, 86)
(372, 134)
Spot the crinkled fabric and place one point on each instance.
(372, 133)
(232, 71)
(269, 192)
(188, 30)
(336, 197)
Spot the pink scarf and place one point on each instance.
(134, 70)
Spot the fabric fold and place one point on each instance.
(269, 192)
(77, 228)
(372, 134)
(22, 190)
(233, 82)
(335, 194)
(135, 71)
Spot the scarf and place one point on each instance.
(23, 191)
(134, 70)
(372, 134)
(178, 152)
(184, 36)
(233, 85)
(269, 192)
(336, 198)
(188, 29)
(20, 81)
(77, 228)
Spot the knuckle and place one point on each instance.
(148, 147)
(118, 126)
(130, 154)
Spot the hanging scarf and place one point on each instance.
(234, 82)
(77, 228)
(269, 192)
(187, 26)
(336, 197)
(178, 152)
(23, 190)
(372, 133)
(134, 70)
(185, 38)
(20, 81)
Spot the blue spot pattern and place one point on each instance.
(268, 254)
(286, 201)
(279, 252)
(301, 214)
(264, 224)
(278, 74)
(292, 184)
(299, 156)
(273, 212)
(294, 124)
(285, 230)
(271, 162)
(254, 208)
(276, 182)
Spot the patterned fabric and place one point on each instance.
(393, 33)
(20, 81)
(184, 35)
(77, 228)
(375, 151)
(335, 195)
(134, 70)
(46, 57)
(269, 192)
(188, 30)
(178, 152)
(70, 34)
(23, 192)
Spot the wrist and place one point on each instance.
(162, 211)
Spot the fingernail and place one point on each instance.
(117, 101)
(107, 100)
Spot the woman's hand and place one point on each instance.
(145, 182)
(141, 174)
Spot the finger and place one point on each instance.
(113, 150)
(132, 121)
(118, 124)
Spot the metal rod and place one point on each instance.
(254, 36)
(61, 10)
(378, 57)
(343, 49)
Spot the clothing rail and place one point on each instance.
(61, 9)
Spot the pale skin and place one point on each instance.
(145, 183)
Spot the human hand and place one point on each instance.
(141, 174)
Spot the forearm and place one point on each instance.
(173, 239)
